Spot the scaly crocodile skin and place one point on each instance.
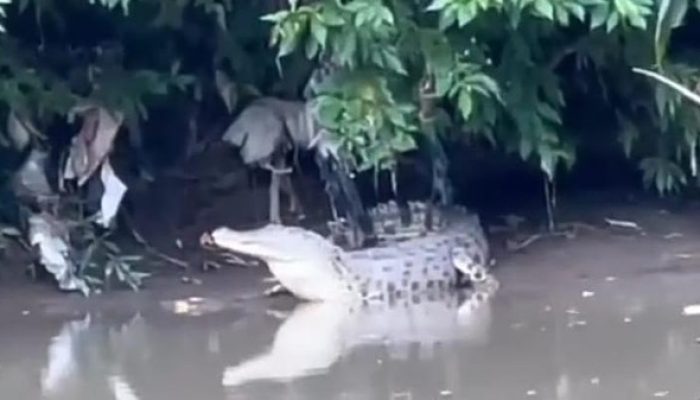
(314, 268)
(422, 226)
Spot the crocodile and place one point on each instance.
(313, 267)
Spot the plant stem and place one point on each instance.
(550, 202)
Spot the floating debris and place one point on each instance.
(587, 294)
(575, 323)
(572, 311)
(610, 279)
(684, 256)
(181, 307)
(445, 393)
(673, 235)
(190, 280)
(623, 224)
(628, 320)
(515, 245)
(192, 306)
(595, 381)
(663, 393)
(531, 393)
(691, 310)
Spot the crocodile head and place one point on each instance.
(302, 261)
(469, 263)
(271, 243)
(470, 254)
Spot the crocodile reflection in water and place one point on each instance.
(318, 334)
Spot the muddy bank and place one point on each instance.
(668, 238)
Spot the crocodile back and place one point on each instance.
(417, 266)
(442, 238)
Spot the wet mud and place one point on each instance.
(595, 314)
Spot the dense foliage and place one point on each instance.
(493, 68)
(496, 67)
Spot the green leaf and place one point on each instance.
(599, 15)
(612, 21)
(319, 32)
(287, 46)
(562, 16)
(346, 47)
(392, 61)
(447, 19)
(549, 113)
(628, 134)
(276, 17)
(386, 16)
(311, 48)
(465, 14)
(438, 5)
(545, 8)
(578, 11)
(638, 21)
(464, 102)
(525, 148)
(670, 16)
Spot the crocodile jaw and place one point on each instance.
(260, 243)
(300, 260)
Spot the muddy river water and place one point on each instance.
(599, 317)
